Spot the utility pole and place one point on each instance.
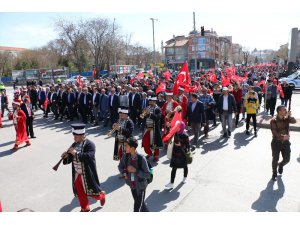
(115, 52)
(195, 43)
(153, 39)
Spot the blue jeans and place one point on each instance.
(284, 102)
(226, 119)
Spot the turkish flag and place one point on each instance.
(175, 123)
(167, 75)
(212, 77)
(238, 78)
(132, 80)
(183, 78)
(225, 80)
(46, 102)
(161, 88)
(280, 90)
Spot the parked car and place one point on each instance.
(73, 79)
(293, 80)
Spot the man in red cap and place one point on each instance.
(19, 120)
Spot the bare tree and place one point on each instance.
(72, 36)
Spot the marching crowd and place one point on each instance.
(161, 107)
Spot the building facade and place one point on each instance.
(205, 50)
(176, 51)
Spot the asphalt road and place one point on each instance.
(230, 175)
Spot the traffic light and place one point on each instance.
(202, 31)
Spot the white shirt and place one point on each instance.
(133, 95)
(111, 100)
(225, 102)
(51, 97)
(28, 110)
(94, 96)
(193, 106)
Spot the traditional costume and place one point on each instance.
(168, 107)
(126, 129)
(19, 121)
(85, 179)
(152, 139)
(183, 102)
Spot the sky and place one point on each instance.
(255, 24)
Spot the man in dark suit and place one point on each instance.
(195, 116)
(54, 102)
(104, 107)
(114, 104)
(48, 95)
(78, 97)
(33, 96)
(41, 98)
(134, 104)
(226, 106)
(63, 101)
(71, 103)
(85, 102)
(26, 107)
(95, 103)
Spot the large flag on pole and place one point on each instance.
(175, 123)
(183, 78)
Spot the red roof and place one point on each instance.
(12, 49)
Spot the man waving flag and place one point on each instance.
(183, 78)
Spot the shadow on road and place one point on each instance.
(298, 159)
(112, 183)
(241, 139)
(213, 144)
(7, 153)
(269, 197)
(157, 200)
(7, 143)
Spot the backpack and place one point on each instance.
(140, 167)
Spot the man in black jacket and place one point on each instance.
(288, 91)
(226, 106)
(114, 103)
(195, 116)
(84, 171)
(134, 104)
(33, 96)
(95, 103)
(26, 107)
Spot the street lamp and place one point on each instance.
(153, 39)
